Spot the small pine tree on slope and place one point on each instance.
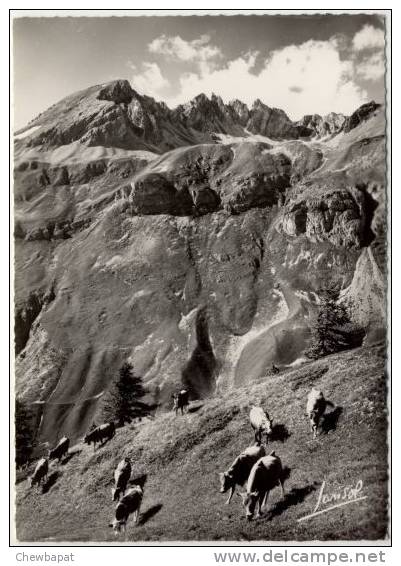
(332, 330)
(123, 403)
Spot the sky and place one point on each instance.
(302, 64)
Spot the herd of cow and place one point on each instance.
(260, 471)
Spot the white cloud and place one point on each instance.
(301, 79)
(368, 37)
(197, 50)
(150, 80)
(369, 64)
(314, 77)
(372, 68)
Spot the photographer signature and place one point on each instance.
(338, 498)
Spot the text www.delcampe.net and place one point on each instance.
(300, 557)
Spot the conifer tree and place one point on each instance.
(332, 329)
(123, 403)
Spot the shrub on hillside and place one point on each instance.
(332, 330)
(24, 434)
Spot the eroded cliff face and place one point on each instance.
(201, 265)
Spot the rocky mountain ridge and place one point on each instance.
(116, 115)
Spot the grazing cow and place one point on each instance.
(261, 424)
(40, 473)
(274, 369)
(180, 401)
(100, 433)
(266, 474)
(130, 503)
(240, 469)
(315, 408)
(122, 475)
(60, 450)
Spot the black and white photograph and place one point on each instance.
(200, 267)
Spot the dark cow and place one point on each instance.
(40, 473)
(261, 424)
(315, 408)
(129, 504)
(266, 474)
(122, 475)
(240, 469)
(274, 370)
(100, 433)
(60, 450)
(181, 400)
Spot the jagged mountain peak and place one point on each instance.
(200, 98)
(216, 98)
(202, 101)
(118, 91)
(236, 103)
(361, 114)
(258, 104)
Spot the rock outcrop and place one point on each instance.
(323, 125)
(360, 115)
(119, 92)
(274, 123)
(337, 215)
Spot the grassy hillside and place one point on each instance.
(178, 459)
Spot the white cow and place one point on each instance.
(261, 424)
(315, 408)
(122, 475)
(40, 473)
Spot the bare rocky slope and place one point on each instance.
(193, 241)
